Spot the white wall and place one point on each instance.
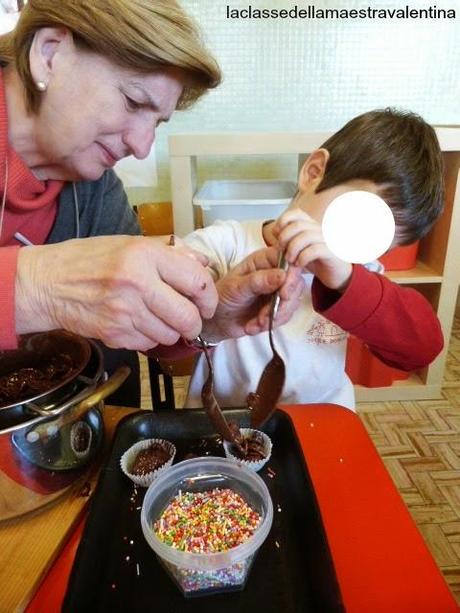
(302, 75)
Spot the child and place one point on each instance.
(393, 154)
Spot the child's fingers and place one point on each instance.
(288, 217)
(293, 229)
(302, 240)
(310, 254)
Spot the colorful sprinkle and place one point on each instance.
(222, 579)
(207, 522)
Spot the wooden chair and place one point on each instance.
(156, 219)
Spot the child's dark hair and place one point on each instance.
(398, 151)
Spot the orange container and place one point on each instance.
(400, 258)
(365, 369)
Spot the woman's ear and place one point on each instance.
(312, 172)
(47, 42)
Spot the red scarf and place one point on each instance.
(31, 205)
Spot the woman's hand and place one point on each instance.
(301, 237)
(132, 292)
(244, 296)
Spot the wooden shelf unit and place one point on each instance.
(436, 274)
(421, 273)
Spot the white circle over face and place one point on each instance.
(358, 227)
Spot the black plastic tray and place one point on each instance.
(115, 569)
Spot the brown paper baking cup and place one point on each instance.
(127, 460)
(254, 465)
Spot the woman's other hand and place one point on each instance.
(244, 296)
(132, 292)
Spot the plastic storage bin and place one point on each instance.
(366, 369)
(401, 258)
(207, 573)
(243, 200)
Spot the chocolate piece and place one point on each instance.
(251, 448)
(24, 383)
(81, 435)
(86, 490)
(191, 456)
(80, 438)
(150, 459)
(235, 430)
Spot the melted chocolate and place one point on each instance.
(150, 459)
(212, 408)
(263, 402)
(26, 383)
(251, 448)
(215, 414)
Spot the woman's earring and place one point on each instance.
(41, 86)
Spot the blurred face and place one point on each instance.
(93, 112)
(316, 203)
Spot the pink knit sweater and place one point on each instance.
(30, 209)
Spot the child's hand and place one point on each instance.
(301, 237)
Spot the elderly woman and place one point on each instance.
(84, 84)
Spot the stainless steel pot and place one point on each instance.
(47, 444)
(59, 354)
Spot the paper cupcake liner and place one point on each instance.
(127, 460)
(254, 465)
(79, 425)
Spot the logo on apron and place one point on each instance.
(324, 332)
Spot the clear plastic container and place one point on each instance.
(200, 573)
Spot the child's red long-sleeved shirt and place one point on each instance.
(397, 323)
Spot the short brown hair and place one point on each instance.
(143, 35)
(398, 151)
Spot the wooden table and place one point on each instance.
(30, 544)
(381, 560)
